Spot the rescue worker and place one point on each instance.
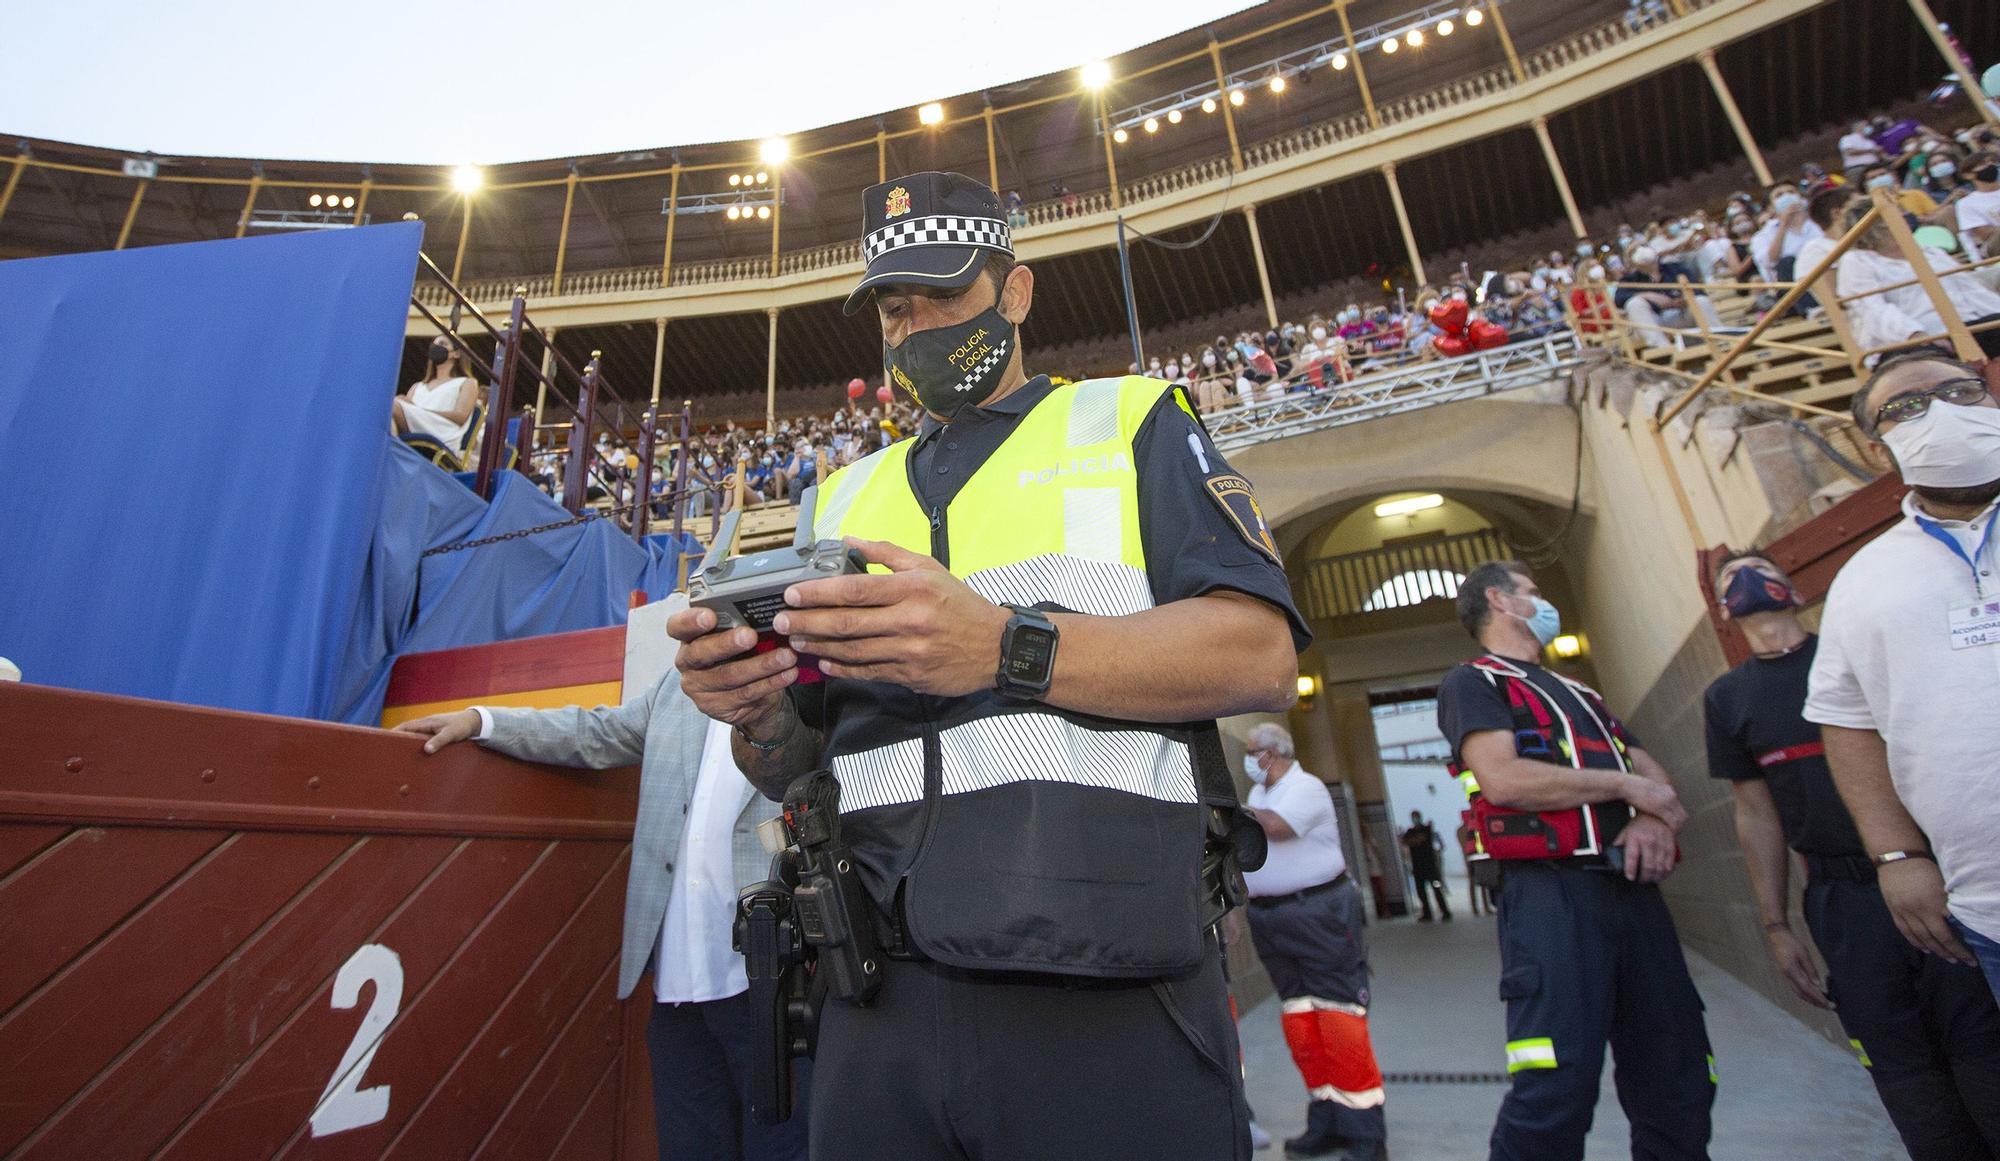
(1423, 846)
(1579, 823)
(1926, 1028)
(1070, 585)
(1306, 924)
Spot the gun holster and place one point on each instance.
(1236, 843)
(805, 934)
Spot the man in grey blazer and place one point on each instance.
(694, 846)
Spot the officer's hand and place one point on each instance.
(1657, 799)
(442, 729)
(1792, 962)
(722, 677)
(1649, 849)
(920, 627)
(1914, 891)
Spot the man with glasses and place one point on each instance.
(1925, 1028)
(1908, 669)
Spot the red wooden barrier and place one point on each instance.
(247, 936)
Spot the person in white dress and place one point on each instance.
(440, 404)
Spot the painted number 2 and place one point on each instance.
(345, 1104)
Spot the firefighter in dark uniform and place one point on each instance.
(1069, 586)
(1927, 1029)
(1579, 822)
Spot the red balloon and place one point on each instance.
(885, 394)
(855, 387)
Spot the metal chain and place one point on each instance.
(587, 516)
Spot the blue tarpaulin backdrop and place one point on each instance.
(202, 502)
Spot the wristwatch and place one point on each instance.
(1027, 654)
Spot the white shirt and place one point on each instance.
(1311, 858)
(1885, 663)
(1895, 315)
(695, 960)
(1760, 246)
(1810, 254)
(1858, 149)
(1977, 210)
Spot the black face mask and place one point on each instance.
(948, 368)
(1988, 174)
(439, 351)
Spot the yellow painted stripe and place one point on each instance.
(598, 693)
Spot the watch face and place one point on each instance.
(1031, 651)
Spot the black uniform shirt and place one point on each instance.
(1757, 729)
(1193, 546)
(1468, 702)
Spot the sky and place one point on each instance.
(432, 83)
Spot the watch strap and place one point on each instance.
(1887, 857)
(1003, 681)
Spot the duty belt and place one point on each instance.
(1261, 901)
(1851, 868)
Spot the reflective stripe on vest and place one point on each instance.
(1051, 517)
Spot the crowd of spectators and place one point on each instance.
(1948, 186)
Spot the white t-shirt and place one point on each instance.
(695, 960)
(1977, 210)
(1760, 246)
(1886, 663)
(1313, 856)
(1858, 149)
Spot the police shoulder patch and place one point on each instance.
(1232, 494)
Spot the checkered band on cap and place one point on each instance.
(937, 230)
(994, 358)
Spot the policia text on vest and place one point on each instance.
(1036, 862)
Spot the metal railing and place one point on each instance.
(1486, 85)
(1409, 387)
(1399, 576)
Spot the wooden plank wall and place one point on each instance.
(240, 936)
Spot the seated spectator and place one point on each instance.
(1942, 178)
(1978, 212)
(1913, 201)
(1586, 300)
(1775, 248)
(1641, 297)
(1824, 210)
(440, 404)
(1896, 316)
(802, 469)
(1858, 152)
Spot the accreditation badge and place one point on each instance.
(1975, 624)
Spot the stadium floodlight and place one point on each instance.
(1339, 61)
(1390, 46)
(467, 178)
(1278, 83)
(1445, 26)
(1095, 75)
(1173, 116)
(314, 201)
(1208, 104)
(1473, 16)
(931, 114)
(732, 213)
(1414, 38)
(1120, 136)
(1152, 124)
(774, 150)
(763, 212)
(347, 203)
(1236, 97)
(762, 177)
(735, 179)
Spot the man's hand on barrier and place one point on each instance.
(919, 627)
(1913, 889)
(441, 730)
(1649, 849)
(720, 674)
(1659, 800)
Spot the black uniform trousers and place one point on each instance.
(701, 1086)
(1928, 1030)
(1430, 878)
(953, 1065)
(1589, 959)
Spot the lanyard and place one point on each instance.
(1938, 534)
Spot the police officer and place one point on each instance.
(1581, 822)
(1070, 585)
(1926, 1028)
(1422, 844)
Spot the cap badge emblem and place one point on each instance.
(898, 203)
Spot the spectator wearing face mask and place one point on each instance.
(1912, 201)
(1587, 302)
(1858, 151)
(1928, 1030)
(1905, 310)
(1979, 211)
(1942, 179)
(440, 404)
(1908, 669)
(1775, 248)
(1651, 308)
